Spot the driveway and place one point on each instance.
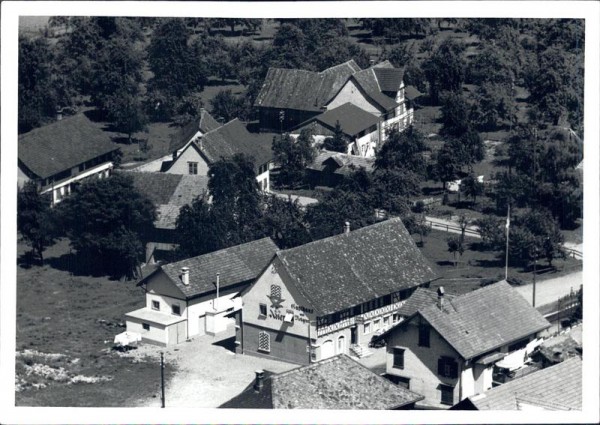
(207, 374)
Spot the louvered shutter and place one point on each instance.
(441, 366)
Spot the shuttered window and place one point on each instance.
(447, 367)
(447, 394)
(264, 341)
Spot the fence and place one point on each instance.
(451, 228)
(563, 308)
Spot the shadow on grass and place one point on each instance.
(228, 344)
(77, 265)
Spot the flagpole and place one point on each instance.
(507, 232)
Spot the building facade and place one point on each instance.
(331, 296)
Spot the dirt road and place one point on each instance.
(550, 290)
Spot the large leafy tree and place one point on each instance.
(36, 221)
(293, 156)
(445, 70)
(105, 220)
(338, 142)
(455, 114)
(200, 230)
(284, 221)
(403, 151)
(228, 106)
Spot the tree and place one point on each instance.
(105, 220)
(127, 114)
(337, 143)
(35, 219)
(293, 156)
(236, 197)
(178, 68)
(448, 162)
(445, 69)
(403, 151)
(472, 187)
(284, 221)
(494, 103)
(491, 230)
(227, 106)
(455, 245)
(455, 115)
(199, 230)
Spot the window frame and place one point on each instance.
(445, 367)
(193, 168)
(446, 394)
(155, 305)
(260, 309)
(367, 328)
(176, 309)
(146, 326)
(398, 353)
(424, 335)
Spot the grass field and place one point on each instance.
(65, 328)
(476, 266)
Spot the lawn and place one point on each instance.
(65, 328)
(476, 266)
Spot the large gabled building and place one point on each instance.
(62, 154)
(331, 296)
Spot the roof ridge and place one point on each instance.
(376, 79)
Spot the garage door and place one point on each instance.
(327, 349)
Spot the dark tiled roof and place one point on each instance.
(348, 269)
(337, 383)
(389, 79)
(485, 319)
(189, 188)
(237, 264)
(158, 187)
(303, 90)
(367, 80)
(558, 387)
(411, 92)
(233, 138)
(63, 145)
(420, 299)
(347, 163)
(352, 119)
(204, 124)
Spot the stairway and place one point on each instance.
(360, 351)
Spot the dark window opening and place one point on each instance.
(263, 309)
(146, 326)
(447, 394)
(175, 309)
(447, 367)
(155, 305)
(399, 358)
(518, 345)
(424, 336)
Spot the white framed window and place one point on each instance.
(376, 325)
(262, 309)
(386, 321)
(264, 341)
(155, 305)
(176, 309)
(192, 167)
(367, 328)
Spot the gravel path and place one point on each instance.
(548, 291)
(207, 375)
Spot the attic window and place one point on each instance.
(276, 291)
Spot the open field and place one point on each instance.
(65, 328)
(475, 266)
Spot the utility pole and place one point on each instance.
(534, 274)
(162, 380)
(507, 232)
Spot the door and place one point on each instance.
(341, 348)
(181, 332)
(202, 325)
(353, 339)
(327, 349)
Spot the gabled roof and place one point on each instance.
(63, 145)
(368, 81)
(389, 79)
(204, 123)
(157, 187)
(420, 299)
(485, 319)
(347, 163)
(345, 270)
(303, 90)
(236, 265)
(233, 138)
(557, 387)
(336, 383)
(411, 92)
(351, 118)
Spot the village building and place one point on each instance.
(192, 131)
(63, 154)
(329, 168)
(447, 351)
(225, 141)
(331, 296)
(359, 127)
(555, 388)
(197, 296)
(290, 97)
(339, 383)
(169, 193)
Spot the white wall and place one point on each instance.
(351, 93)
(189, 155)
(198, 308)
(264, 181)
(157, 334)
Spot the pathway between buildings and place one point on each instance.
(550, 290)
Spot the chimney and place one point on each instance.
(58, 114)
(185, 275)
(258, 383)
(347, 227)
(440, 293)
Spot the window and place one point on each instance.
(447, 394)
(396, 317)
(399, 358)
(447, 367)
(264, 341)
(155, 305)
(276, 291)
(376, 325)
(367, 328)
(146, 326)
(192, 167)
(423, 335)
(175, 309)
(386, 321)
(403, 382)
(263, 309)
(518, 345)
